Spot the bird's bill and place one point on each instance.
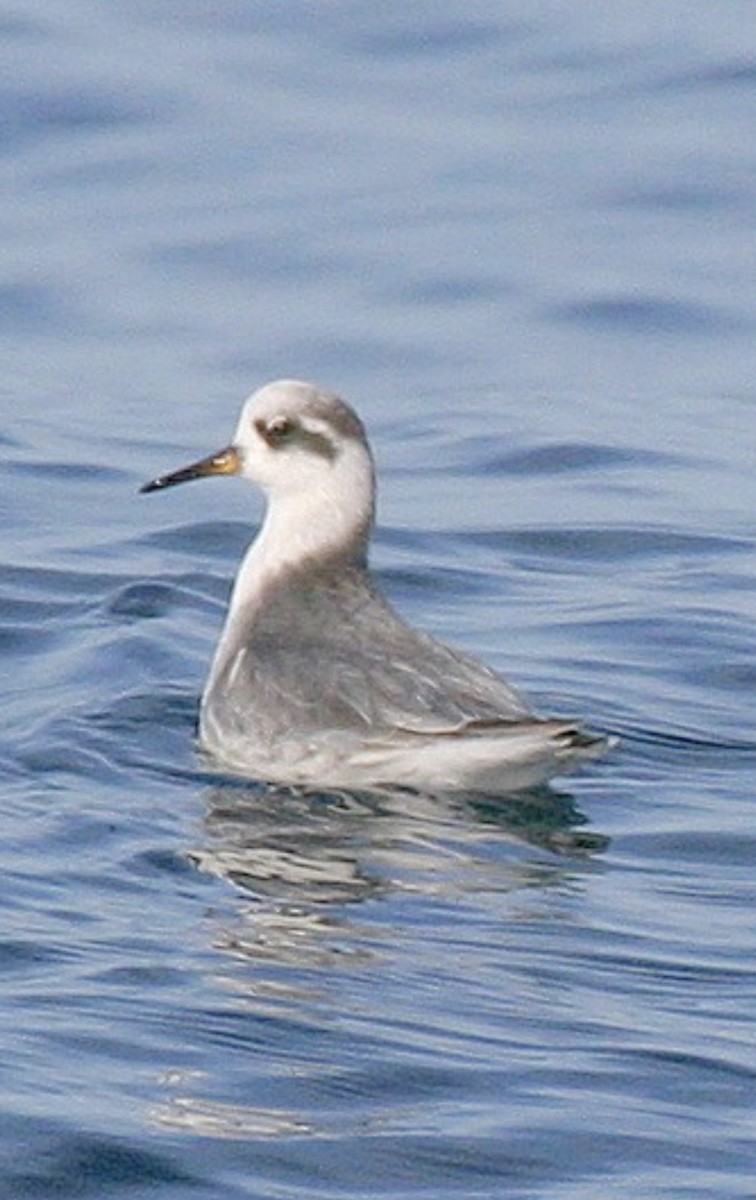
(225, 462)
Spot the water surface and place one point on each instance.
(518, 240)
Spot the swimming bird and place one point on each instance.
(317, 680)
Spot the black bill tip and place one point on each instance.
(154, 486)
(225, 462)
(165, 481)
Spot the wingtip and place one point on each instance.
(583, 743)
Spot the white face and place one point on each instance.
(294, 439)
(308, 451)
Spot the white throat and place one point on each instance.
(296, 530)
(329, 523)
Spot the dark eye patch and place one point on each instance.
(276, 431)
(279, 431)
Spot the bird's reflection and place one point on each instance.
(334, 890)
(309, 863)
(327, 848)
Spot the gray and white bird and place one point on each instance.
(317, 680)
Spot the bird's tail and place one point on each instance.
(572, 741)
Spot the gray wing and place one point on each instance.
(330, 652)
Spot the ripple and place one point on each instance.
(615, 544)
(217, 539)
(82, 108)
(144, 601)
(80, 1164)
(737, 850)
(637, 315)
(682, 197)
(682, 743)
(736, 72)
(20, 955)
(559, 458)
(69, 472)
(53, 583)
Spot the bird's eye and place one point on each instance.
(277, 430)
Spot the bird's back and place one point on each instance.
(325, 650)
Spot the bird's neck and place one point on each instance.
(325, 532)
(293, 539)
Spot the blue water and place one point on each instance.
(520, 238)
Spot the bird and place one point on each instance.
(317, 680)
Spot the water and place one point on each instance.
(519, 238)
